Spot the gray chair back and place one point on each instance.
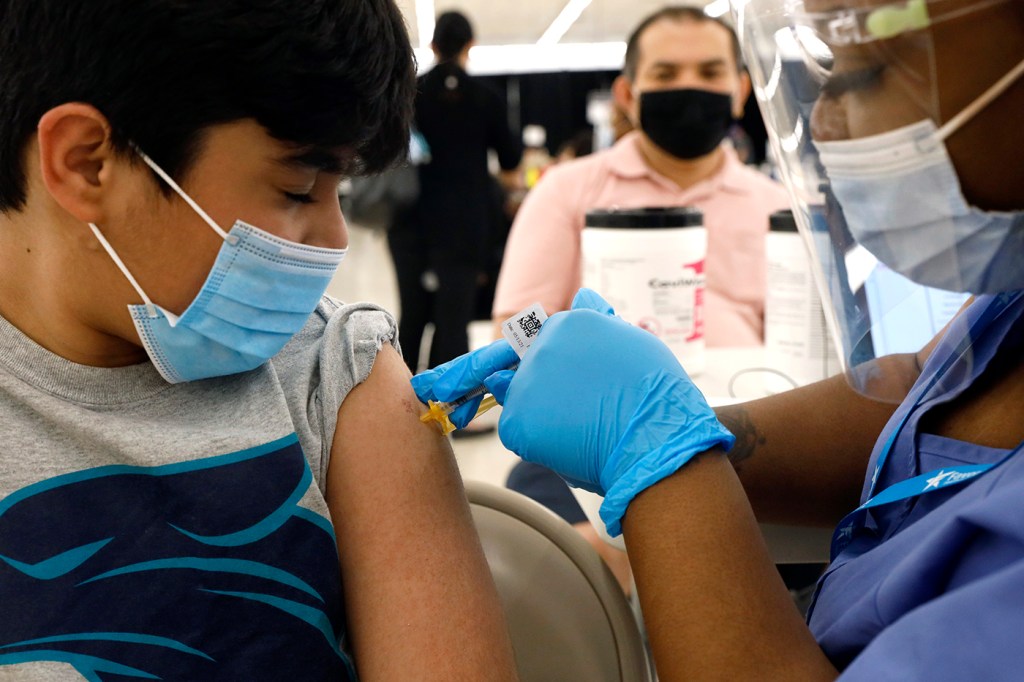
(568, 617)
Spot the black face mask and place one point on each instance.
(686, 123)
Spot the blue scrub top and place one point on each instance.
(932, 587)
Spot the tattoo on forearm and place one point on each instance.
(748, 439)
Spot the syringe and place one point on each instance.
(439, 411)
(519, 331)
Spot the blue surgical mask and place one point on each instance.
(258, 295)
(902, 201)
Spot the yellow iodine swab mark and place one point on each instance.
(438, 412)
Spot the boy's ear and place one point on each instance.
(75, 158)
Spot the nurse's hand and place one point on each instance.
(455, 378)
(601, 402)
(605, 404)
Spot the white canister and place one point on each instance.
(649, 264)
(797, 343)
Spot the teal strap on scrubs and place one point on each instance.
(937, 479)
(998, 306)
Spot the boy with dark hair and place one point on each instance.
(199, 445)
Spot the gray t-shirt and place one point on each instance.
(178, 531)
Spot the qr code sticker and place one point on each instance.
(521, 329)
(530, 325)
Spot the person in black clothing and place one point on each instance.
(447, 232)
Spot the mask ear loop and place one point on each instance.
(150, 307)
(188, 200)
(986, 98)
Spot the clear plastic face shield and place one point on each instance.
(874, 110)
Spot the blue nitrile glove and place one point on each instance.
(455, 378)
(605, 404)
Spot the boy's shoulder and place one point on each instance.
(334, 352)
(343, 336)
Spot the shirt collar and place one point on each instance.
(628, 162)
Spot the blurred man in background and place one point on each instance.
(682, 86)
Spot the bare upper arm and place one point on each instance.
(417, 587)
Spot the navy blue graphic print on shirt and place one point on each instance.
(200, 570)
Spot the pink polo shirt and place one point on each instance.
(542, 257)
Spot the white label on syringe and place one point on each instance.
(521, 329)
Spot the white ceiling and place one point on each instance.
(523, 22)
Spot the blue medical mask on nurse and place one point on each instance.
(902, 200)
(259, 294)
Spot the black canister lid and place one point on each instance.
(646, 218)
(782, 221)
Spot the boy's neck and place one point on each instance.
(46, 285)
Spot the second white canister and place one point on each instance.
(648, 263)
(797, 342)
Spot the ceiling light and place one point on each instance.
(564, 21)
(489, 60)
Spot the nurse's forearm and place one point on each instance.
(713, 602)
(801, 455)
